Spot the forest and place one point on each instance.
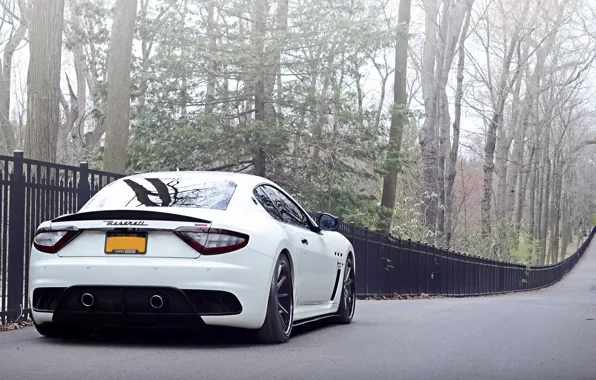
(467, 124)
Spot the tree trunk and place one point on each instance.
(211, 71)
(564, 229)
(71, 111)
(435, 79)
(15, 39)
(529, 105)
(491, 141)
(502, 92)
(119, 67)
(537, 182)
(146, 47)
(445, 32)
(556, 211)
(515, 173)
(80, 66)
(501, 171)
(260, 18)
(184, 98)
(545, 203)
(452, 163)
(505, 178)
(273, 58)
(43, 79)
(429, 154)
(540, 172)
(531, 198)
(398, 115)
(504, 140)
(444, 132)
(488, 169)
(522, 183)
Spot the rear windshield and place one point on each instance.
(189, 192)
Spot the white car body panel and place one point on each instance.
(240, 273)
(169, 261)
(160, 244)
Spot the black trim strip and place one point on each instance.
(128, 214)
(314, 319)
(336, 283)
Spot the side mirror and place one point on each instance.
(328, 222)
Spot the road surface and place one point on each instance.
(546, 334)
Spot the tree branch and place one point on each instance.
(10, 12)
(227, 166)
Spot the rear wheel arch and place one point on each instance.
(276, 328)
(346, 307)
(351, 255)
(288, 255)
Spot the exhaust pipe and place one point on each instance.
(156, 301)
(87, 299)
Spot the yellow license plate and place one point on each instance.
(126, 242)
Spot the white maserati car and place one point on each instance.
(190, 249)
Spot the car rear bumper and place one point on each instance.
(224, 290)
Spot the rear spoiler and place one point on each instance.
(128, 215)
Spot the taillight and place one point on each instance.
(212, 241)
(51, 240)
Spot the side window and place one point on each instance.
(288, 211)
(266, 203)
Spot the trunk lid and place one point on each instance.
(133, 233)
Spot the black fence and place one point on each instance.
(388, 267)
(33, 191)
(30, 193)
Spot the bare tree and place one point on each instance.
(452, 163)
(429, 149)
(439, 52)
(499, 93)
(119, 66)
(261, 10)
(399, 114)
(43, 79)
(16, 37)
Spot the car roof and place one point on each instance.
(238, 178)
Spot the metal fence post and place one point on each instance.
(437, 278)
(449, 271)
(420, 274)
(390, 264)
(366, 270)
(467, 272)
(379, 263)
(16, 240)
(409, 266)
(83, 193)
(461, 275)
(425, 273)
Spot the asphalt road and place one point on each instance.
(547, 334)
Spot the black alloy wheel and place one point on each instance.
(347, 305)
(279, 318)
(285, 301)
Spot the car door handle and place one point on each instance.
(304, 241)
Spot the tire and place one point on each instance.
(347, 303)
(60, 331)
(277, 327)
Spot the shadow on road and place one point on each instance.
(212, 337)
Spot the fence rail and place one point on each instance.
(33, 191)
(30, 192)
